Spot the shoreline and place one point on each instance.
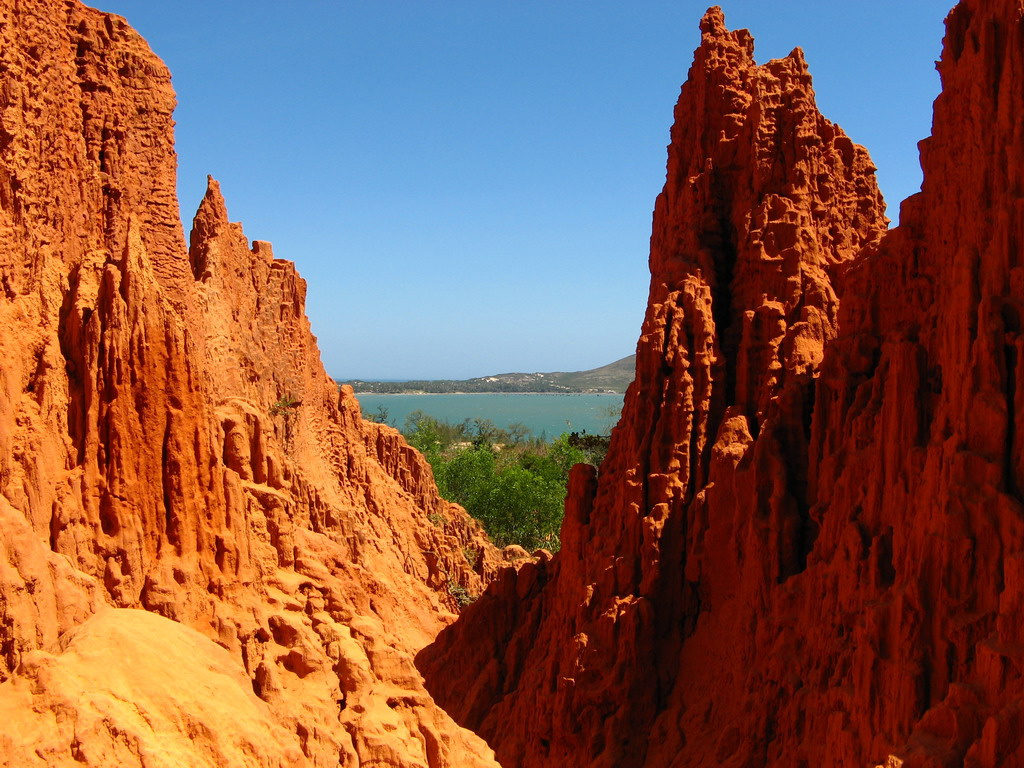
(544, 414)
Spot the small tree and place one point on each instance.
(381, 416)
(485, 432)
(517, 432)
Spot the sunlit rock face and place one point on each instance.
(805, 546)
(170, 443)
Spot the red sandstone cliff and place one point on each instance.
(805, 545)
(170, 443)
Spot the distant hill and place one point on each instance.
(614, 377)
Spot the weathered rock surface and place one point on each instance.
(169, 441)
(805, 546)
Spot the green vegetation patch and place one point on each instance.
(513, 483)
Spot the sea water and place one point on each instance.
(545, 415)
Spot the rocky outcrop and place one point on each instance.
(700, 510)
(170, 442)
(916, 453)
(804, 546)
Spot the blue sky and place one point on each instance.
(467, 185)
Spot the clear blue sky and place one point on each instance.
(467, 185)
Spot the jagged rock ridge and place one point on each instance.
(170, 443)
(804, 547)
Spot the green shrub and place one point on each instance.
(460, 593)
(285, 406)
(513, 484)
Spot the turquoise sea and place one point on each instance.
(546, 415)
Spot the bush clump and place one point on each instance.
(513, 483)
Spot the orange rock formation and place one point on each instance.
(805, 545)
(170, 443)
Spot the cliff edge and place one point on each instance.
(208, 557)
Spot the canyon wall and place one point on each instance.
(805, 545)
(208, 557)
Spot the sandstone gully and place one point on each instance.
(804, 548)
